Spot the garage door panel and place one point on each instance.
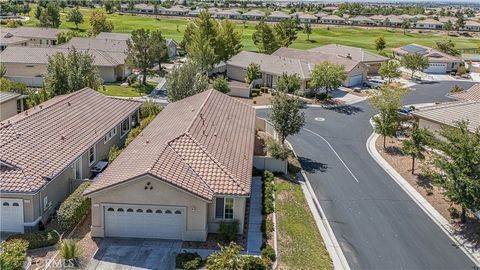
(160, 222)
(437, 68)
(11, 215)
(355, 80)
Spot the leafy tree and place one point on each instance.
(26, 8)
(131, 5)
(50, 15)
(253, 72)
(264, 38)
(158, 48)
(228, 42)
(289, 83)
(380, 43)
(200, 51)
(286, 117)
(447, 46)
(38, 12)
(12, 23)
(64, 37)
(448, 26)
(185, 81)
(108, 5)
(3, 70)
(405, 26)
(415, 62)
(229, 258)
(415, 145)
(71, 72)
(99, 23)
(328, 76)
(140, 53)
(458, 166)
(63, 4)
(390, 70)
(386, 101)
(75, 16)
(286, 32)
(387, 23)
(307, 29)
(460, 23)
(221, 84)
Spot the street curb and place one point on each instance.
(336, 254)
(460, 241)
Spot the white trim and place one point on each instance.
(223, 212)
(90, 163)
(128, 119)
(33, 223)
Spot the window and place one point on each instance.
(139, 211)
(149, 211)
(91, 155)
(120, 210)
(110, 209)
(77, 169)
(6, 204)
(15, 204)
(224, 208)
(129, 210)
(125, 127)
(158, 211)
(110, 135)
(168, 212)
(46, 203)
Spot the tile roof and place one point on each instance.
(451, 112)
(6, 96)
(433, 55)
(430, 21)
(254, 13)
(357, 54)
(472, 94)
(38, 144)
(33, 32)
(114, 36)
(106, 45)
(278, 14)
(202, 144)
(7, 38)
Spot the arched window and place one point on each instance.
(120, 210)
(15, 204)
(129, 210)
(110, 209)
(6, 204)
(139, 211)
(168, 212)
(149, 211)
(178, 212)
(158, 211)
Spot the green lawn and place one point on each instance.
(354, 36)
(300, 245)
(136, 90)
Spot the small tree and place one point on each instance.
(229, 258)
(12, 23)
(380, 43)
(390, 70)
(447, 46)
(139, 52)
(286, 116)
(307, 29)
(50, 15)
(75, 16)
(415, 145)
(458, 166)
(265, 39)
(448, 26)
(286, 31)
(405, 26)
(415, 62)
(253, 72)
(328, 76)
(288, 83)
(185, 81)
(3, 70)
(99, 23)
(460, 23)
(158, 48)
(221, 84)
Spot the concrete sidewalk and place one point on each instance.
(255, 217)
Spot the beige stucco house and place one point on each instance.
(439, 62)
(28, 36)
(188, 170)
(48, 150)
(11, 104)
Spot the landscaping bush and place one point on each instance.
(268, 253)
(293, 164)
(228, 230)
(13, 254)
(188, 260)
(113, 153)
(253, 263)
(149, 108)
(268, 189)
(131, 79)
(221, 84)
(38, 239)
(453, 212)
(267, 227)
(276, 149)
(324, 96)
(74, 208)
(228, 258)
(70, 252)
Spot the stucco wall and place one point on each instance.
(133, 192)
(25, 70)
(8, 109)
(238, 214)
(236, 73)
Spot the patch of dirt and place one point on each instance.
(263, 99)
(212, 242)
(259, 149)
(432, 193)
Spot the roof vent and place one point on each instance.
(349, 56)
(147, 141)
(62, 138)
(69, 104)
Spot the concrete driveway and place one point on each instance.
(123, 254)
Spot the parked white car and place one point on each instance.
(373, 83)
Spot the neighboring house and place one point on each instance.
(28, 36)
(361, 20)
(175, 11)
(472, 26)
(48, 150)
(449, 113)
(228, 14)
(332, 19)
(195, 12)
(172, 46)
(253, 15)
(378, 19)
(446, 19)
(144, 8)
(320, 15)
(277, 16)
(11, 104)
(429, 24)
(373, 61)
(395, 21)
(306, 18)
(291, 61)
(194, 171)
(471, 94)
(439, 62)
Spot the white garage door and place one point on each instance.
(11, 215)
(161, 222)
(438, 68)
(355, 80)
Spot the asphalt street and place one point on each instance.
(377, 225)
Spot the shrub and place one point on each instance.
(453, 212)
(324, 96)
(268, 253)
(131, 79)
(293, 164)
(113, 153)
(70, 251)
(267, 227)
(38, 239)
(228, 230)
(136, 131)
(276, 149)
(74, 208)
(188, 260)
(13, 254)
(461, 70)
(221, 84)
(267, 188)
(456, 89)
(149, 108)
(253, 263)
(228, 258)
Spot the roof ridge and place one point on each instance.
(199, 110)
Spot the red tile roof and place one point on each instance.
(38, 144)
(202, 144)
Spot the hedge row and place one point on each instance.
(74, 208)
(268, 189)
(13, 254)
(38, 239)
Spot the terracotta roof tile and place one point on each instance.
(472, 94)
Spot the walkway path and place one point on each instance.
(254, 240)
